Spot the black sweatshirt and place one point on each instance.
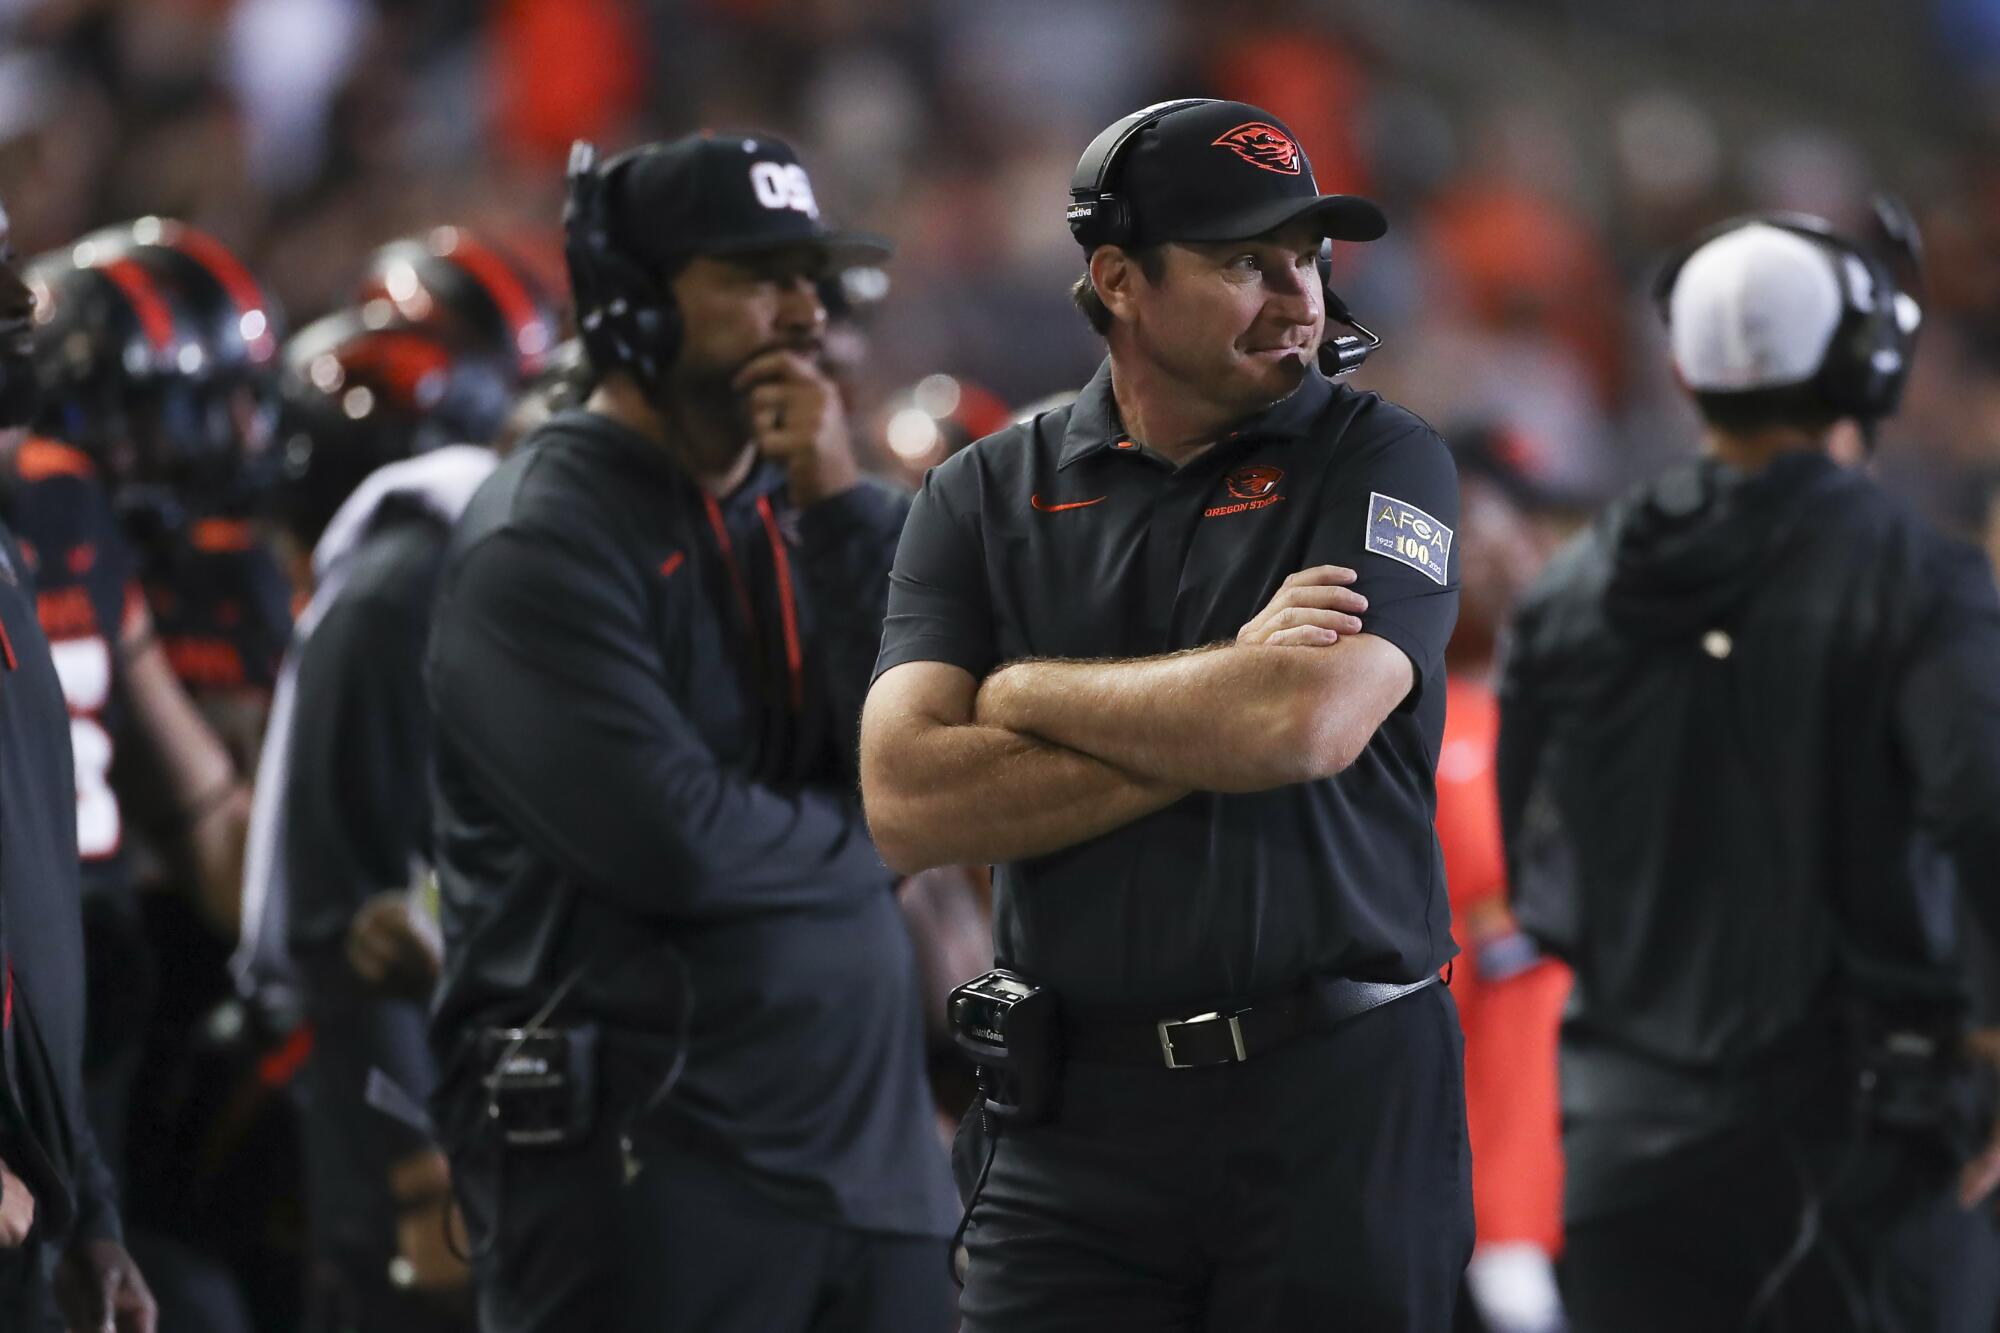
(357, 808)
(646, 706)
(357, 796)
(1750, 741)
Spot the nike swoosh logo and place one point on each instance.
(1036, 501)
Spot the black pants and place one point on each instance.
(1891, 1253)
(684, 1245)
(1323, 1185)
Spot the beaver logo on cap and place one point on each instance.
(1263, 145)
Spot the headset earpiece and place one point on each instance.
(626, 318)
(1097, 215)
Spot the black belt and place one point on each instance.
(1223, 1036)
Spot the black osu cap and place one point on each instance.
(723, 194)
(1227, 171)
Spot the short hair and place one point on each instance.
(1747, 411)
(1152, 261)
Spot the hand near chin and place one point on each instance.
(798, 418)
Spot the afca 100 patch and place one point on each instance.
(1404, 532)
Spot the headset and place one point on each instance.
(1099, 215)
(625, 316)
(1867, 360)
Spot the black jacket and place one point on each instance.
(646, 705)
(1750, 738)
(357, 805)
(44, 1134)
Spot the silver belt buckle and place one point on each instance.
(1165, 1027)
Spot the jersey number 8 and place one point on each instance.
(84, 668)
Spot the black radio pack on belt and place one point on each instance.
(541, 1083)
(1910, 1079)
(1007, 1025)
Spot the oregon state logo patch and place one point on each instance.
(1263, 145)
(1251, 487)
(1406, 534)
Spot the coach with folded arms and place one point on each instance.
(1173, 659)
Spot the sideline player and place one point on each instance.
(61, 1239)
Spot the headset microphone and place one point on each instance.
(1341, 354)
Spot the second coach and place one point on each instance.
(679, 1029)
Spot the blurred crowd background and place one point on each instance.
(1536, 158)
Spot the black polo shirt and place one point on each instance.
(1062, 538)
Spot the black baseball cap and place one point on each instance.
(1227, 171)
(723, 194)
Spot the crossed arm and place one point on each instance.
(943, 788)
(1045, 754)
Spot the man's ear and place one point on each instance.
(1115, 274)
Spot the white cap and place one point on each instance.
(1753, 309)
